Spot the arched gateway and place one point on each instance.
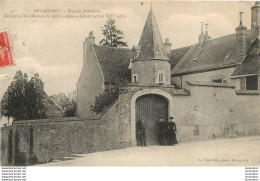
(151, 104)
(151, 107)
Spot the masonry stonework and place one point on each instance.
(217, 112)
(148, 71)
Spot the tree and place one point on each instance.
(112, 36)
(23, 98)
(67, 103)
(108, 97)
(105, 99)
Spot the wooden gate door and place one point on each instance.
(151, 107)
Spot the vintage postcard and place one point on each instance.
(131, 83)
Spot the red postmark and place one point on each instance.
(6, 56)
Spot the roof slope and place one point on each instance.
(251, 64)
(211, 54)
(151, 43)
(114, 62)
(177, 54)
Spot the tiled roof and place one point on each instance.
(215, 53)
(177, 54)
(212, 54)
(210, 84)
(51, 106)
(151, 43)
(114, 62)
(251, 64)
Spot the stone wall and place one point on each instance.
(204, 77)
(148, 71)
(216, 112)
(53, 139)
(206, 112)
(105, 134)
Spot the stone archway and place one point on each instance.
(133, 108)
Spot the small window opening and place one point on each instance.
(160, 78)
(135, 79)
(219, 80)
(224, 81)
(195, 60)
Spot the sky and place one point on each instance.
(54, 47)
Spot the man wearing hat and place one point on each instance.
(140, 132)
(162, 131)
(172, 140)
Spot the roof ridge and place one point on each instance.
(103, 46)
(181, 47)
(209, 40)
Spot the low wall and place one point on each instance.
(47, 140)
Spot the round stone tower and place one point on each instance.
(150, 64)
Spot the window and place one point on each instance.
(219, 80)
(160, 78)
(252, 82)
(135, 79)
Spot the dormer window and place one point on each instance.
(252, 82)
(160, 78)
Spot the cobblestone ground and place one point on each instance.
(222, 152)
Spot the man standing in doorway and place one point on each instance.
(140, 130)
(162, 131)
(172, 140)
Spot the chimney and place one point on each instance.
(167, 46)
(241, 40)
(206, 34)
(202, 35)
(255, 18)
(90, 40)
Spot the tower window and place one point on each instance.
(134, 79)
(160, 78)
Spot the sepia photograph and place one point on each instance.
(130, 83)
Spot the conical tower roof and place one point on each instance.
(151, 42)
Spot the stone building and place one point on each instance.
(211, 87)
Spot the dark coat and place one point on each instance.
(172, 126)
(140, 127)
(171, 133)
(162, 127)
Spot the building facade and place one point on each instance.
(211, 88)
